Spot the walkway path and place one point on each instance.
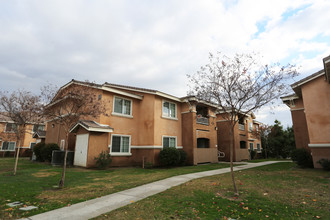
(95, 207)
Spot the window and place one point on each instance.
(38, 128)
(242, 144)
(122, 106)
(11, 127)
(203, 143)
(8, 146)
(120, 144)
(169, 109)
(169, 142)
(32, 145)
(251, 146)
(258, 147)
(250, 126)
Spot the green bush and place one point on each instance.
(302, 157)
(169, 156)
(46, 151)
(103, 160)
(7, 154)
(325, 163)
(183, 157)
(37, 151)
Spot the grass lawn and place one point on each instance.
(277, 191)
(34, 184)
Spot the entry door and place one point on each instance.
(80, 153)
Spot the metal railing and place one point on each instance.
(202, 120)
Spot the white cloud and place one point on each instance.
(153, 44)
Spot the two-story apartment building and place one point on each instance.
(246, 136)
(137, 124)
(8, 139)
(310, 111)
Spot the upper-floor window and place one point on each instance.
(38, 128)
(250, 126)
(8, 146)
(169, 109)
(11, 127)
(122, 106)
(169, 142)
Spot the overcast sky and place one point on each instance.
(154, 44)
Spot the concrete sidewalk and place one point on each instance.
(95, 207)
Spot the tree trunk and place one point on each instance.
(16, 160)
(231, 152)
(61, 183)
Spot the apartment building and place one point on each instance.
(137, 124)
(310, 111)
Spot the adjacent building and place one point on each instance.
(246, 137)
(8, 138)
(310, 111)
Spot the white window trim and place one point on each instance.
(120, 114)
(176, 110)
(176, 140)
(8, 142)
(120, 153)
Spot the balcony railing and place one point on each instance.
(241, 127)
(202, 120)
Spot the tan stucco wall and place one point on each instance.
(316, 96)
(319, 153)
(300, 129)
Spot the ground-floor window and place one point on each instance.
(169, 142)
(120, 144)
(258, 147)
(242, 144)
(8, 146)
(251, 146)
(203, 143)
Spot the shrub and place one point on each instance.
(46, 151)
(103, 160)
(169, 156)
(37, 151)
(302, 157)
(325, 163)
(183, 157)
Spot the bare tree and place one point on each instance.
(70, 104)
(22, 108)
(239, 86)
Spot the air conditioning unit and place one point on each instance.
(58, 158)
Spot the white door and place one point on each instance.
(80, 153)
